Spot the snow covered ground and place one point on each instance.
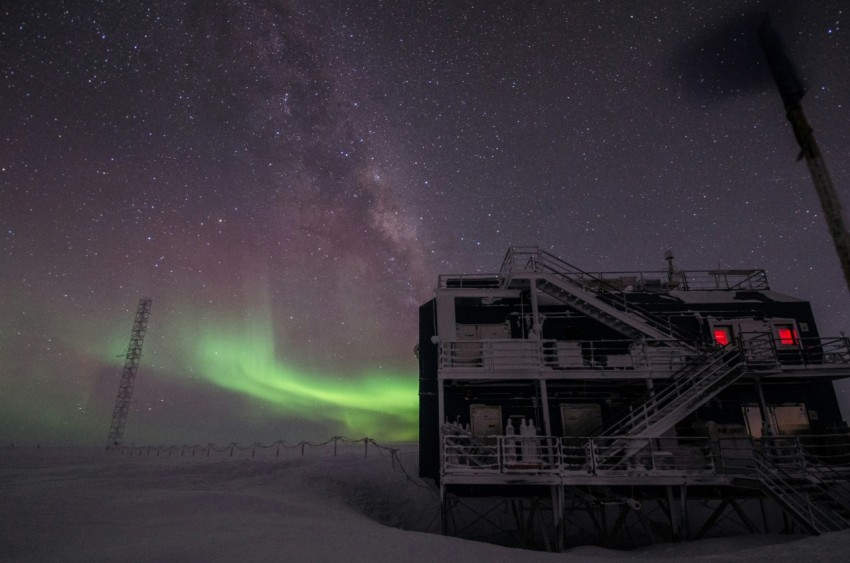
(92, 505)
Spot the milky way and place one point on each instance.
(287, 179)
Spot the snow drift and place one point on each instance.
(88, 504)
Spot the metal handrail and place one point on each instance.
(551, 455)
(758, 350)
(467, 454)
(786, 488)
(761, 351)
(533, 259)
(781, 464)
(804, 450)
(475, 281)
(811, 351)
(704, 367)
(687, 280)
(659, 455)
(489, 355)
(521, 354)
(832, 450)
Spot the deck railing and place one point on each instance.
(813, 351)
(467, 281)
(521, 355)
(824, 457)
(533, 259)
(464, 454)
(653, 456)
(492, 355)
(759, 351)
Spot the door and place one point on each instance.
(486, 420)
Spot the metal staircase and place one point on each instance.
(579, 298)
(594, 297)
(817, 498)
(688, 389)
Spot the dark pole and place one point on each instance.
(792, 91)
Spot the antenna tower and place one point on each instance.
(128, 376)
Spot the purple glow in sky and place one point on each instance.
(286, 179)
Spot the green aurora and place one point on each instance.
(378, 405)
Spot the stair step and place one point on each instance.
(811, 503)
(685, 400)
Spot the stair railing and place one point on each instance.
(794, 493)
(697, 375)
(605, 292)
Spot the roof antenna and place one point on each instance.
(671, 270)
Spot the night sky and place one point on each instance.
(286, 179)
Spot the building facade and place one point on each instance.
(613, 400)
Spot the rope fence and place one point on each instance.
(228, 450)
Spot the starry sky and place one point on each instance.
(286, 179)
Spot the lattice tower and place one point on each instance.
(128, 376)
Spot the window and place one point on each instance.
(722, 335)
(787, 335)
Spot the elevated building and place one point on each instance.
(630, 404)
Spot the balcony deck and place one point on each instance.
(624, 460)
(629, 359)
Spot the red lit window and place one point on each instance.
(721, 336)
(787, 336)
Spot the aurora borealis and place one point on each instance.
(286, 179)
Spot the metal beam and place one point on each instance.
(792, 91)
